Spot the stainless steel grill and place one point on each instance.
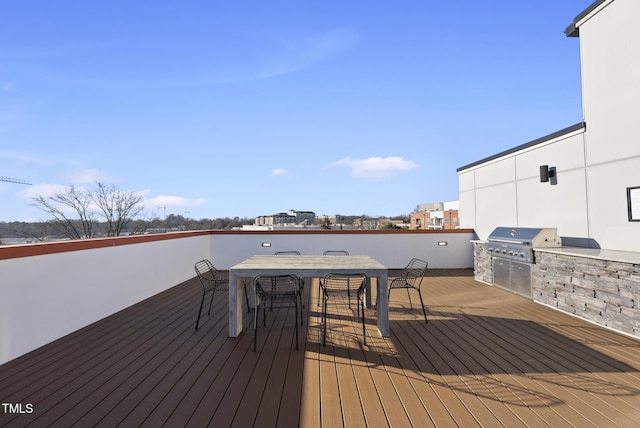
(512, 254)
(517, 243)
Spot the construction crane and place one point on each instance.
(14, 180)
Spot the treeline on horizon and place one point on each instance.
(48, 230)
(44, 230)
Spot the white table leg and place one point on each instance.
(383, 305)
(236, 299)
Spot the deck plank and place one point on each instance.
(345, 339)
(486, 357)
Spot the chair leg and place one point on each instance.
(324, 321)
(423, 310)
(300, 296)
(296, 318)
(409, 296)
(264, 316)
(213, 292)
(246, 296)
(301, 306)
(199, 311)
(255, 328)
(364, 329)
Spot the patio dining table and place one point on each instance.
(307, 267)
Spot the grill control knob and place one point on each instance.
(504, 251)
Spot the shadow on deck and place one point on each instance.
(486, 357)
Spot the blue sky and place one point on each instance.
(247, 108)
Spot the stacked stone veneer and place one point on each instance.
(482, 265)
(602, 291)
(605, 292)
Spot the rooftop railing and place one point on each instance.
(52, 289)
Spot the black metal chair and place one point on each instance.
(281, 291)
(335, 253)
(212, 280)
(293, 253)
(330, 253)
(336, 284)
(287, 253)
(411, 277)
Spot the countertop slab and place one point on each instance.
(595, 253)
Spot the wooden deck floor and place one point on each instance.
(487, 357)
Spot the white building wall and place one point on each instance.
(467, 212)
(609, 222)
(610, 57)
(588, 200)
(610, 54)
(495, 205)
(511, 193)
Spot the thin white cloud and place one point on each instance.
(43, 189)
(376, 167)
(21, 158)
(277, 56)
(299, 54)
(293, 54)
(87, 176)
(172, 201)
(47, 190)
(8, 86)
(279, 171)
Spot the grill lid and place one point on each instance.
(529, 236)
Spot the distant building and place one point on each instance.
(305, 218)
(288, 219)
(440, 215)
(336, 221)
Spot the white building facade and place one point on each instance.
(592, 195)
(595, 161)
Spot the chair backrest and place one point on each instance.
(277, 285)
(209, 275)
(335, 253)
(204, 270)
(343, 281)
(287, 253)
(415, 271)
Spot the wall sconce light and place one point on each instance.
(547, 172)
(266, 244)
(442, 243)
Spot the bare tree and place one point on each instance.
(79, 202)
(118, 207)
